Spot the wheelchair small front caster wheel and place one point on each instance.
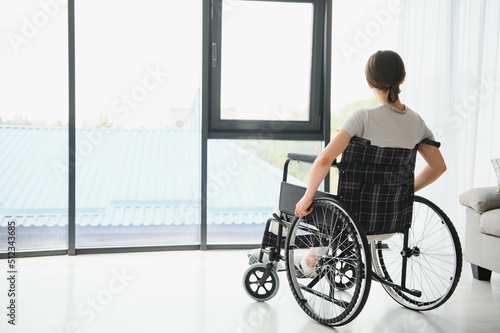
(257, 289)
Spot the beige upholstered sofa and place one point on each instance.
(482, 231)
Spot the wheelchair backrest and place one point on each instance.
(377, 185)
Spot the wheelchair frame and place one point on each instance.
(335, 292)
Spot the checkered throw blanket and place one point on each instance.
(376, 184)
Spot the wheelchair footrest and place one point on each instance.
(413, 292)
(253, 258)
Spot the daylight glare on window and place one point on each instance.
(266, 66)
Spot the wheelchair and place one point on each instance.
(418, 263)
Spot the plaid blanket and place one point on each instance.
(377, 185)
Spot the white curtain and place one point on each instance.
(451, 50)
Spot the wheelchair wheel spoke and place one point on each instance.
(334, 291)
(434, 258)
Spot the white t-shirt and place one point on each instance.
(386, 126)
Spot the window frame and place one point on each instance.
(312, 129)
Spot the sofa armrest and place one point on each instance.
(481, 199)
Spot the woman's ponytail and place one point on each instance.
(385, 71)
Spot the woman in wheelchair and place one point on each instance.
(332, 243)
(391, 124)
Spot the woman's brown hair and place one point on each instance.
(385, 71)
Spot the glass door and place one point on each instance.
(138, 129)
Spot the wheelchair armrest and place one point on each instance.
(305, 158)
(363, 141)
(311, 158)
(431, 143)
(302, 157)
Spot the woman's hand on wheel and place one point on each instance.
(303, 207)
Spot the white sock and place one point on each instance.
(306, 269)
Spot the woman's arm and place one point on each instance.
(320, 169)
(433, 170)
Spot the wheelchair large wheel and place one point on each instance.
(336, 289)
(433, 258)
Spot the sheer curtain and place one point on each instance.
(452, 54)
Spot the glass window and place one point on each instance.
(264, 72)
(138, 123)
(266, 67)
(34, 124)
(354, 39)
(243, 185)
(267, 99)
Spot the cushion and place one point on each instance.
(490, 223)
(481, 199)
(496, 166)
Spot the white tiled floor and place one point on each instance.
(198, 291)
